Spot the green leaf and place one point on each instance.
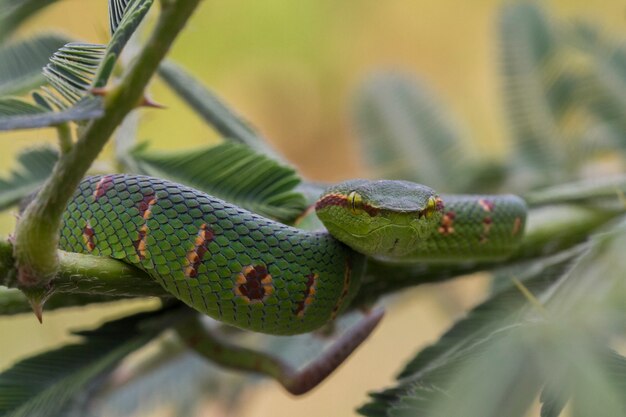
(21, 62)
(536, 275)
(117, 8)
(407, 134)
(590, 191)
(56, 383)
(133, 14)
(72, 72)
(31, 116)
(233, 172)
(605, 85)
(539, 88)
(496, 364)
(500, 364)
(35, 165)
(212, 109)
(193, 383)
(424, 381)
(14, 12)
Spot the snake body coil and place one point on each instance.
(257, 274)
(226, 262)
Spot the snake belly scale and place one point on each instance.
(231, 264)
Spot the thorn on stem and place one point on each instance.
(37, 309)
(99, 91)
(145, 101)
(37, 298)
(148, 102)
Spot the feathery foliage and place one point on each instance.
(529, 49)
(21, 62)
(212, 109)
(14, 12)
(605, 83)
(232, 172)
(35, 166)
(73, 71)
(407, 135)
(58, 382)
(531, 348)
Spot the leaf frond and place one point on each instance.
(233, 172)
(35, 166)
(212, 109)
(407, 134)
(14, 12)
(539, 87)
(72, 72)
(58, 382)
(21, 62)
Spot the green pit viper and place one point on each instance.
(257, 274)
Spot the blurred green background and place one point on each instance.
(291, 67)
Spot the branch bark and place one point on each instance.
(80, 280)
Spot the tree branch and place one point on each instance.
(81, 279)
(37, 233)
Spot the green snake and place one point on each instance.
(258, 274)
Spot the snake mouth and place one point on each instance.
(397, 242)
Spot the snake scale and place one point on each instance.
(258, 274)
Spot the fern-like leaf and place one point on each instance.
(14, 12)
(536, 275)
(605, 85)
(59, 382)
(408, 135)
(35, 166)
(117, 9)
(212, 109)
(233, 172)
(21, 62)
(72, 72)
(539, 90)
(558, 343)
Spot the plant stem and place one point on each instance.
(65, 137)
(36, 239)
(81, 279)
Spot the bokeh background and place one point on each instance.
(292, 67)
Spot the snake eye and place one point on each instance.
(355, 202)
(431, 207)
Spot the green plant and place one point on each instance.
(563, 289)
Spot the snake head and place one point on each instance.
(380, 218)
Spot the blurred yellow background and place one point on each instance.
(291, 67)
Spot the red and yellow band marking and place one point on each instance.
(140, 244)
(517, 226)
(341, 200)
(88, 237)
(201, 246)
(486, 205)
(309, 295)
(332, 200)
(103, 186)
(446, 227)
(487, 224)
(145, 210)
(254, 284)
(145, 205)
(347, 279)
